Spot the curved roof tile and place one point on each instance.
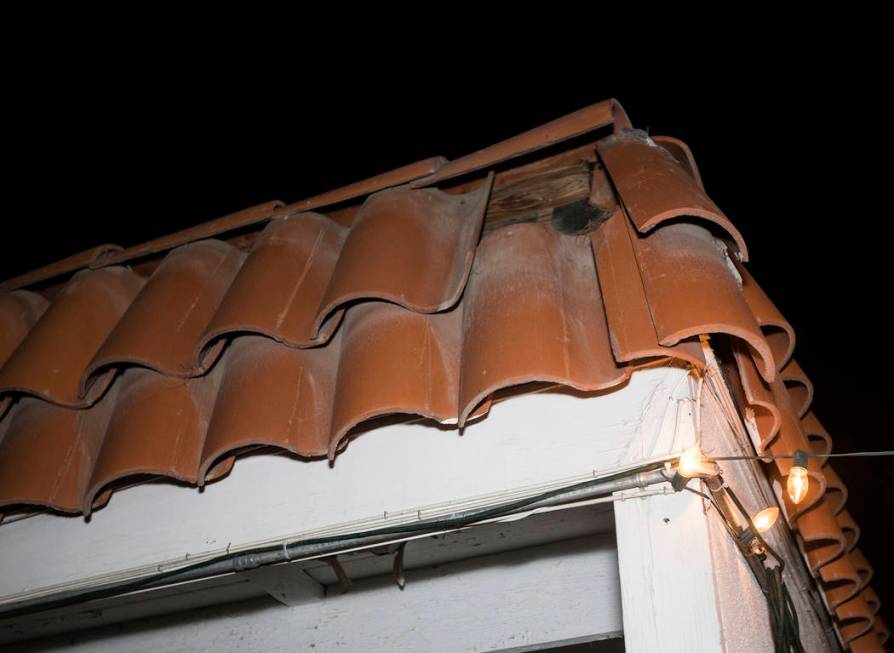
(19, 311)
(654, 187)
(321, 327)
(50, 362)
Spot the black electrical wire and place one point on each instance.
(867, 454)
(784, 627)
(754, 530)
(436, 524)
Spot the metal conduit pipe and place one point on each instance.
(299, 551)
(329, 546)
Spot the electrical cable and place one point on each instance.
(272, 554)
(753, 528)
(784, 627)
(808, 454)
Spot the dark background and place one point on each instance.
(797, 156)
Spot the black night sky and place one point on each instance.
(796, 157)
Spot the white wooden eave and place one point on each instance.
(659, 569)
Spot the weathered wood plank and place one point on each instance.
(528, 197)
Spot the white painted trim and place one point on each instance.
(684, 583)
(286, 582)
(518, 601)
(529, 440)
(666, 571)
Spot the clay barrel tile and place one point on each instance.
(692, 289)
(681, 152)
(854, 618)
(51, 360)
(861, 564)
(819, 438)
(654, 187)
(778, 332)
(157, 428)
(19, 311)
(762, 408)
(163, 326)
(395, 361)
(836, 490)
(849, 527)
(280, 287)
(871, 642)
(800, 388)
(410, 247)
(540, 321)
(271, 395)
(822, 537)
(630, 328)
(840, 581)
(791, 436)
(872, 599)
(47, 452)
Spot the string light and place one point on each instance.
(798, 481)
(692, 464)
(764, 520)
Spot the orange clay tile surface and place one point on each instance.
(412, 309)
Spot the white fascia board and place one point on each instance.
(667, 575)
(516, 602)
(526, 441)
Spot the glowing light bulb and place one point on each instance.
(798, 482)
(764, 520)
(690, 462)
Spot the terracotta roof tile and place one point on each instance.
(691, 290)
(272, 395)
(819, 438)
(873, 641)
(800, 388)
(826, 530)
(410, 247)
(50, 363)
(849, 527)
(681, 152)
(655, 188)
(402, 306)
(47, 452)
(855, 618)
(841, 580)
(760, 404)
(777, 331)
(384, 358)
(293, 257)
(163, 326)
(631, 327)
(19, 311)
